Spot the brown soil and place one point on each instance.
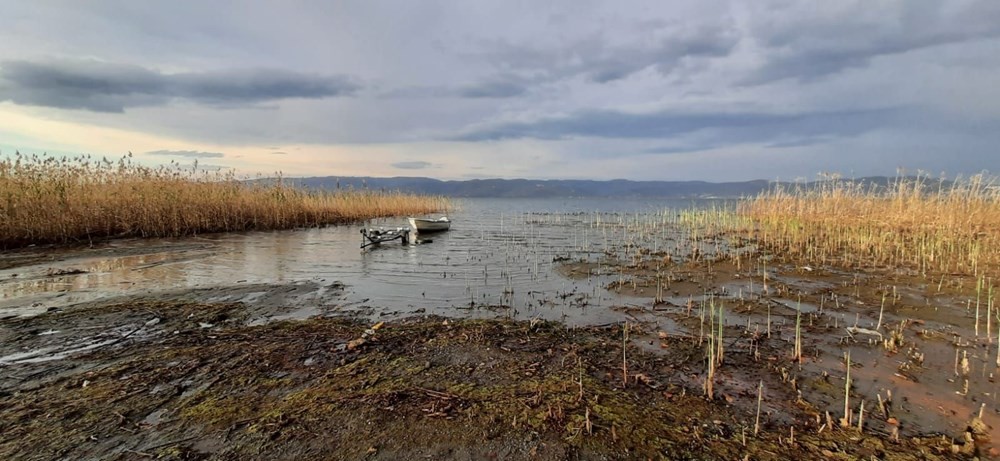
(412, 389)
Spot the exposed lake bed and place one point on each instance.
(508, 328)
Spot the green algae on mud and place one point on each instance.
(417, 388)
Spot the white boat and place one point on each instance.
(430, 225)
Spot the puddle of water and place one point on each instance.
(796, 306)
(48, 354)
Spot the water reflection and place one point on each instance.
(497, 258)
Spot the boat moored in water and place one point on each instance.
(430, 225)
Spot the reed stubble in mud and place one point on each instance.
(715, 351)
(845, 259)
(250, 394)
(845, 422)
(46, 199)
(797, 352)
(760, 398)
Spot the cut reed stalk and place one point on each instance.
(624, 352)
(797, 353)
(979, 291)
(712, 353)
(721, 350)
(878, 327)
(989, 311)
(846, 422)
(768, 320)
(861, 417)
(760, 397)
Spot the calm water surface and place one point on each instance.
(498, 260)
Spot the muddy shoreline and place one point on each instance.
(219, 365)
(408, 389)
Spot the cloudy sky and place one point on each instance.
(670, 90)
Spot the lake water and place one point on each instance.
(498, 260)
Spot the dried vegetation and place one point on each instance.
(45, 199)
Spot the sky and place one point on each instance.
(578, 89)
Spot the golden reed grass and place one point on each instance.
(45, 199)
(913, 223)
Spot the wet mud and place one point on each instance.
(409, 389)
(919, 362)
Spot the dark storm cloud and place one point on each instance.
(683, 149)
(800, 142)
(415, 165)
(493, 90)
(417, 92)
(730, 127)
(186, 153)
(807, 47)
(106, 87)
(601, 62)
(774, 141)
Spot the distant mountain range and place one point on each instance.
(531, 188)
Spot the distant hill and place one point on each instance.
(531, 188)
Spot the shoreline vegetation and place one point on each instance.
(919, 225)
(49, 200)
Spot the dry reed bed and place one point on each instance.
(45, 199)
(917, 224)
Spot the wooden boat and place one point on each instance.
(430, 225)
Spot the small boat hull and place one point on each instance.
(430, 225)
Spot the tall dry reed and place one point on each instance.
(45, 199)
(913, 223)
